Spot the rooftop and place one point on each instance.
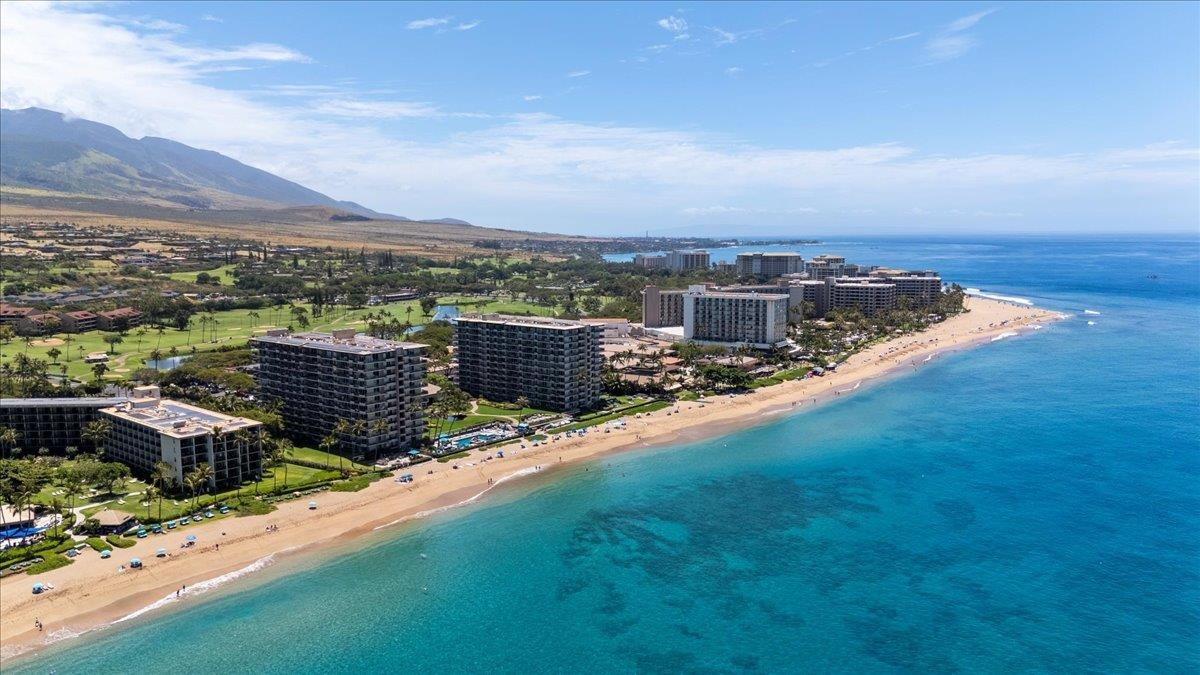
(344, 342)
(178, 419)
(516, 320)
(62, 402)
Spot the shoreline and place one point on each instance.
(90, 593)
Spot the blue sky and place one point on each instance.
(774, 118)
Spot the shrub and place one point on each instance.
(253, 507)
(358, 482)
(120, 542)
(98, 544)
(50, 561)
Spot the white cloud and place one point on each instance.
(375, 109)
(432, 22)
(952, 41)
(469, 25)
(673, 24)
(212, 18)
(734, 71)
(538, 171)
(579, 73)
(532, 97)
(968, 21)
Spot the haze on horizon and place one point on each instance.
(722, 120)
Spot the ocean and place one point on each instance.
(1032, 505)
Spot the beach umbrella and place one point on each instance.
(39, 587)
(105, 553)
(312, 505)
(135, 562)
(160, 552)
(191, 537)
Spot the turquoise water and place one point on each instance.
(1029, 506)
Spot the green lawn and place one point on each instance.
(281, 477)
(605, 417)
(223, 273)
(328, 459)
(232, 327)
(501, 412)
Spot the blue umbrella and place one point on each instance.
(39, 587)
(191, 537)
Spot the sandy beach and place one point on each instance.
(92, 592)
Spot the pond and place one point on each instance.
(168, 363)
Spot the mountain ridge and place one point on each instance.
(44, 149)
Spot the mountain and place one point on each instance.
(46, 150)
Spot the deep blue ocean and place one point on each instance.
(1032, 505)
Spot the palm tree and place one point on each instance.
(198, 478)
(152, 493)
(96, 433)
(159, 476)
(155, 356)
(327, 445)
(9, 437)
(72, 487)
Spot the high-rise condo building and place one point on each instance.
(769, 264)
(323, 378)
(756, 319)
(552, 362)
(148, 429)
(686, 261)
(662, 307)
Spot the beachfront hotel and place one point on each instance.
(662, 307)
(554, 363)
(147, 429)
(52, 423)
(755, 319)
(768, 264)
(323, 378)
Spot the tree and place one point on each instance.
(98, 370)
(155, 356)
(96, 432)
(113, 339)
(151, 494)
(54, 353)
(162, 474)
(428, 303)
(72, 487)
(9, 437)
(197, 479)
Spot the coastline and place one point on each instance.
(91, 593)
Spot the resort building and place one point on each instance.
(768, 264)
(686, 261)
(662, 307)
(79, 322)
(12, 314)
(824, 266)
(52, 423)
(119, 319)
(148, 429)
(38, 323)
(920, 287)
(868, 295)
(553, 362)
(755, 319)
(323, 378)
(650, 262)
